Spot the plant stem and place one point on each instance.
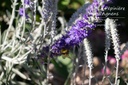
(90, 75)
(117, 70)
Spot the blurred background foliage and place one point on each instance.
(68, 7)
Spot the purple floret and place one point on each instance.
(27, 2)
(22, 12)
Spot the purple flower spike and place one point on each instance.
(80, 30)
(72, 38)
